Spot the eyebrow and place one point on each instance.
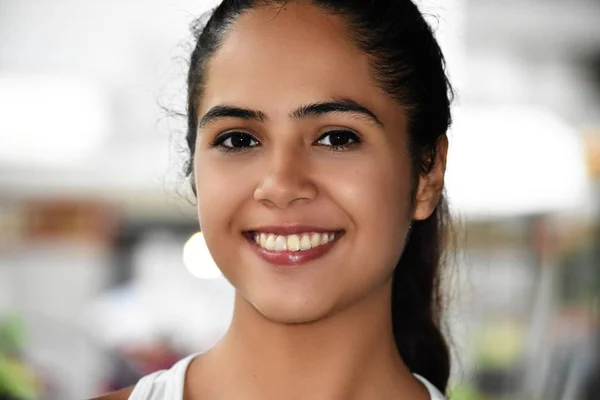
(226, 111)
(344, 106)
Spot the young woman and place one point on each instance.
(317, 135)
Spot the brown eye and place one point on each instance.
(235, 141)
(338, 139)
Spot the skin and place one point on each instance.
(324, 327)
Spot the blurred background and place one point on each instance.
(98, 286)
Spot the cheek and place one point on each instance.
(376, 192)
(219, 196)
(220, 191)
(376, 197)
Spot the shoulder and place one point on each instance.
(433, 392)
(159, 385)
(119, 395)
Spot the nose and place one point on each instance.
(286, 179)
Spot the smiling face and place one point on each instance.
(300, 151)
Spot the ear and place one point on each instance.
(430, 186)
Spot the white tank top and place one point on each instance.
(168, 384)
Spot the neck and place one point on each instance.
(348, 355)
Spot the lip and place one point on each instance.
(288, 258)
(291, 229)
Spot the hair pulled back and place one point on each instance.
(408, 64)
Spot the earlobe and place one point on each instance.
(430, 186)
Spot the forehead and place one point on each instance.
(274, 58)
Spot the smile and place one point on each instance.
(294, 242)
(284, 246)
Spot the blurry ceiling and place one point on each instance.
(134, 54)
(541, 28)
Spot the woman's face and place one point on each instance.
(299, 150)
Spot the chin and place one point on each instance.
(292, 312)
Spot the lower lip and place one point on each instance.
(293, 258)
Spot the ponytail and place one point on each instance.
(416, 300)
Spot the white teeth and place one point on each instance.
(315, 240)
(305, 242)
(263, 240)
(270, 242)
(280, 243)
(295, 242)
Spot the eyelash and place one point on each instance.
(221, 139)
(218, 142)
(341, 147)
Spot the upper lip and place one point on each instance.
(291, 229)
